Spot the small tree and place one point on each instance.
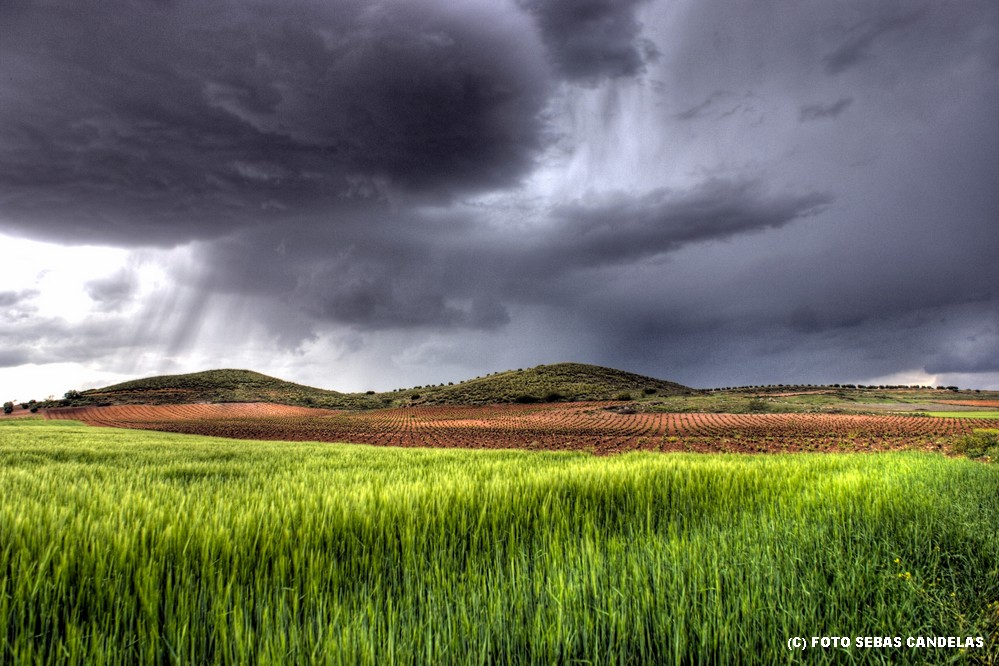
(8, 407)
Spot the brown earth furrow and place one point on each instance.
(569, 426)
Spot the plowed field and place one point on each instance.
(575, 426)
(984, 404)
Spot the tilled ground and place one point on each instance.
(567, 426)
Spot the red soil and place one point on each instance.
(571, 426)
(984, 404)
(18, 413)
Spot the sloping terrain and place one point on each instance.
(216, 386)
(546, 383)
(559, 382)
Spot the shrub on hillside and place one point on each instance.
(979, 444)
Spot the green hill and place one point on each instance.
(218, 386)
(545, 383)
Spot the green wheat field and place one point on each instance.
(124, 547)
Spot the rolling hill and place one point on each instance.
(544, 383)
(548, 383)
(213, 386)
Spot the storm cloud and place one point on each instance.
(364, 194)
(819, 111)
(161, 122)
(592, 39)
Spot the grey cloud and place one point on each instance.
(861, 39)
(17, 304)
(622, 229)
(452, 272)
(12, 298)
(974, 351)
(186, 120)
(819, 111)
(702, 344)
(359, 274)
(53, 340)
(384, 302)
(10, 358)
(978, 360)
(112, 292)
(719, 104)
(332, 164)
(592, 39)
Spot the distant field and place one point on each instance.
(966, 415)
(972, 403)
(598, 427)
(120, 546)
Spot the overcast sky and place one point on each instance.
(374, 194)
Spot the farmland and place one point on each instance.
(122, 546)
(598, 427)
(979, 416)
(542, 527)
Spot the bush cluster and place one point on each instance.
(979, 444)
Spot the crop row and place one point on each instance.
(576, 426)
(984, 404)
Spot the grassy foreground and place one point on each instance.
(132, 547)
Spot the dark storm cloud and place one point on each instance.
(182, 120)
(861, 38)
(421, 172)
(450, 271)
(820, 111)
(627, 228)
(374, 272)
(975, 346)
(593, 39)
(719, 105)
(727, 343)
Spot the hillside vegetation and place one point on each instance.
(547, 383)
(544, 383)
(559, 382)
(213, 386)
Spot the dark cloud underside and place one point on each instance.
(185, 120)
(592, 39)
(715, 191)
